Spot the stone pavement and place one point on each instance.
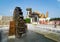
(31, 37)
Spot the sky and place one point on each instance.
(52, 6)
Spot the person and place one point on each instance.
(55, 24)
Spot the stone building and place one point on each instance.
(5, 20)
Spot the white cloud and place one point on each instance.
(58, 0)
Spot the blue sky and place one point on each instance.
(52, 6)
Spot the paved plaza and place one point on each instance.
(31, 36)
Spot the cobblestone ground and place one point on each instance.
(31, 37)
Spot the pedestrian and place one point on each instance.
(55, 24)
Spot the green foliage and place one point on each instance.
(55, 19)
(27, 20)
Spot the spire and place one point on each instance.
(46, 14)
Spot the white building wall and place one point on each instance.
(27, 14)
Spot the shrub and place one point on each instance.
(27, 20)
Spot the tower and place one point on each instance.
(46, 14)
(29, 12)
(17, 13)
(19, 21)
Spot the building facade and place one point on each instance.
(37, 17)
(5, 20)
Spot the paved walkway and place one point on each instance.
(31, 37)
